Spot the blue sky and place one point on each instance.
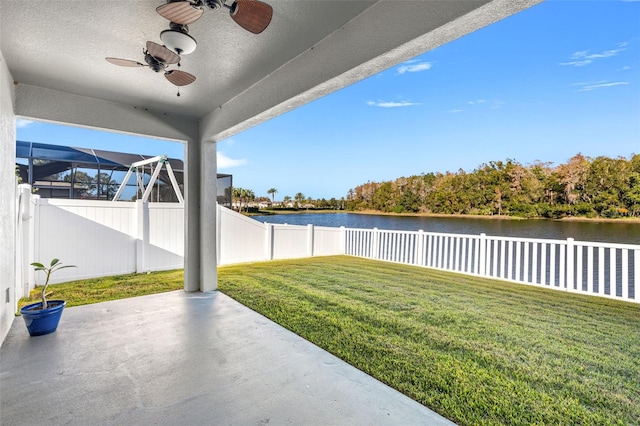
(560, 78)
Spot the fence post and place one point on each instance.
(269, 241)
(142, 235)
(375, 250)
(310, 236)
(420, 248)
(343, 240)
(25, 233)
(570, 261)
(219, 213)
(483, 254)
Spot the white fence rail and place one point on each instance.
(105, 238)
(601, 269)
(242, 239)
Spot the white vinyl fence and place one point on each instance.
(242, 239)
(602, 269)
(104, 238)
(110, 238)
(101, 238)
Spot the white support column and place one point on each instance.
(192, 231)
(208, 237)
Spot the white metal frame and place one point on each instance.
(161, 160)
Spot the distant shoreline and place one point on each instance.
(444, 215)
(498, 217)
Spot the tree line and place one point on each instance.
(586, 187)
(243, 198)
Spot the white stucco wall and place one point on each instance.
(7, 199)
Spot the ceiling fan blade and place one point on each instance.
(180, 12)
(179, 78)
(162, 53)
(252, 15)
(125, 62)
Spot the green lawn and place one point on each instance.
(96, 290)
(476, 351)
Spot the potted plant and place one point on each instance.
(43, 317)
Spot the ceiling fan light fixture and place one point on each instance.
(177, 39)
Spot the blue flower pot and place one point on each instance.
(42, 321)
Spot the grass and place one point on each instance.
(474, 350)
(96, 290)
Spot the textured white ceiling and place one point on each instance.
(310, 48)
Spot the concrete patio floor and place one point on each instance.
(186, 359)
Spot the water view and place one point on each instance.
(611, 232)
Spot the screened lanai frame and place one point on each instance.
(44, 167)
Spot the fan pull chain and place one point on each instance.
(178, 95)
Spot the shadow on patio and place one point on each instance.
(186, 358)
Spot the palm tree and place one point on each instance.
(272, 191)
(299, 197)
(237, 196)
(286, 200)
(249, 195)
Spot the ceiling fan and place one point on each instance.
(252, 15)
(158, 58)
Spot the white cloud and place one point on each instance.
(584, 57)
(585, 87)
(225, 162)
(479, 103)
(414, 66)
(382, 104)
(577, 63)
(22, 123)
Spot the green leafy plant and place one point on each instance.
(55, 265)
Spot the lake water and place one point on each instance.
(611, 232)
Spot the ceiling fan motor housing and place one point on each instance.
(154, 63)
(213, 4)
